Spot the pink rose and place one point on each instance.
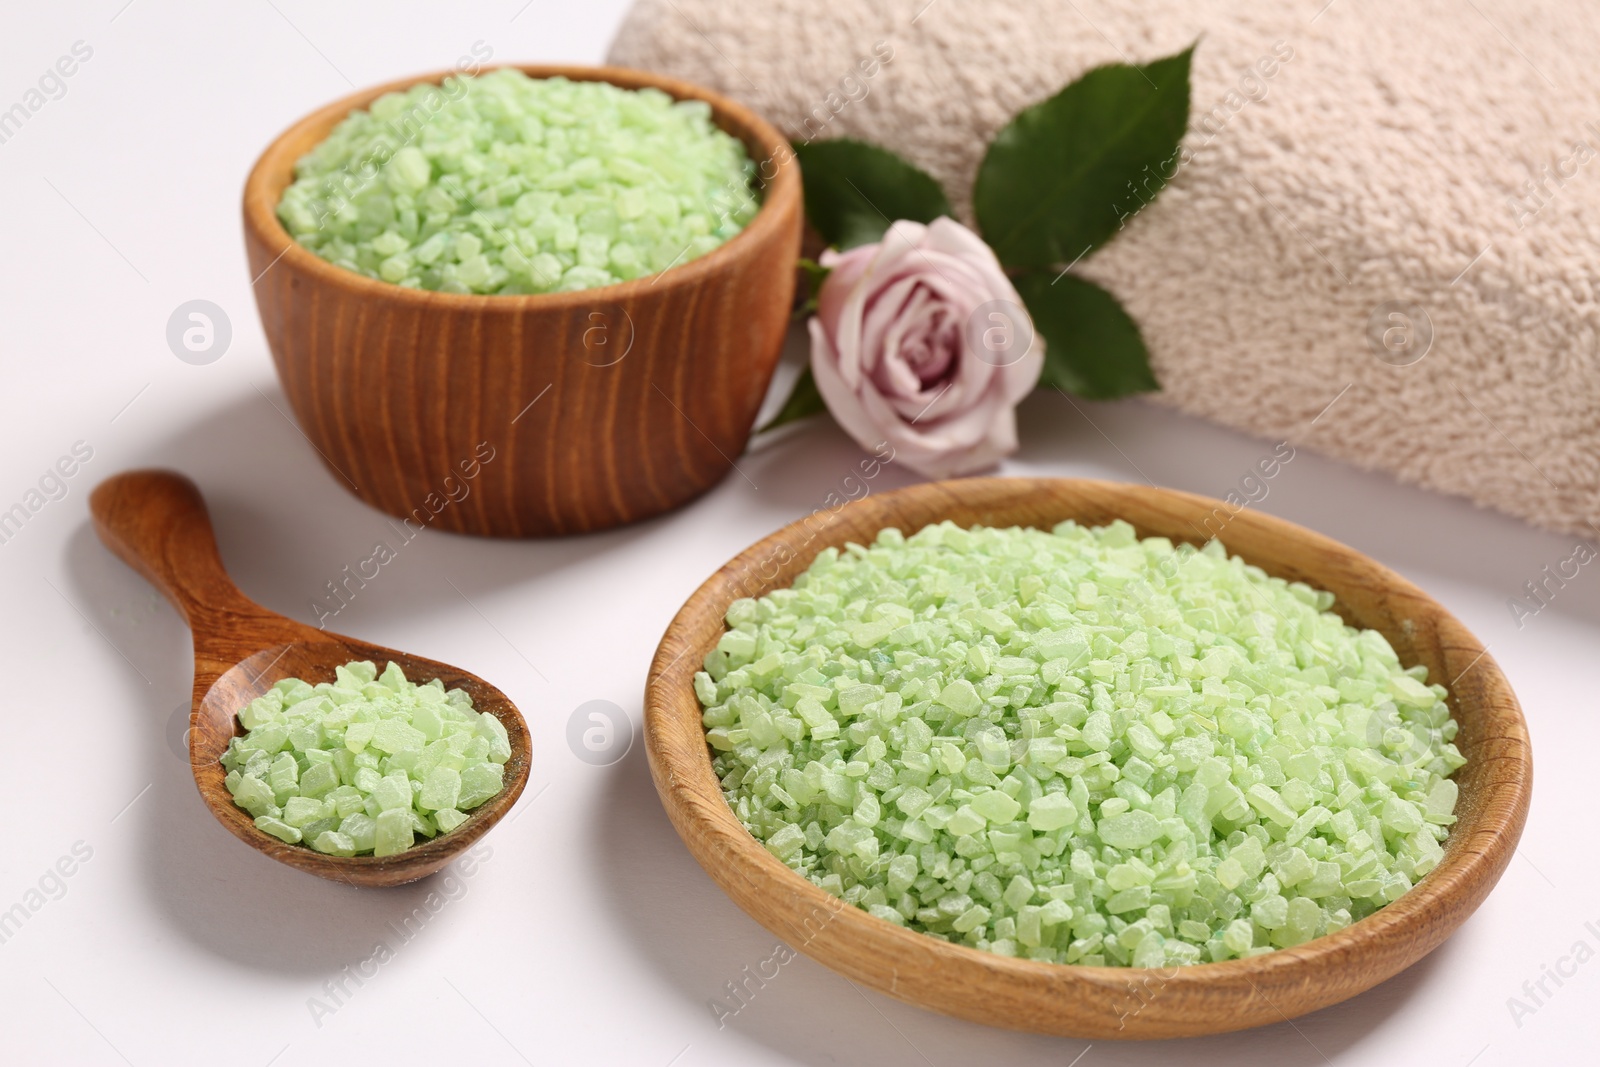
(921, 341)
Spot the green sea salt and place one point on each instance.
(507, 184)
(1079, 747)
(365, 763)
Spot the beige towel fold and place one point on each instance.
(1362, 175)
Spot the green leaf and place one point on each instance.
(804, 401)
(1061, 179)
(815, 274)
(1092, 348)
(855, 190)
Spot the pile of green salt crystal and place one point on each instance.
(365, 763)
(1079, 747)
(507, 184)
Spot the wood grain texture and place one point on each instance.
(156, 522)
(641, 393)
(1102, 1002)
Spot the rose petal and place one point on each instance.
(948, 236)
(913, 331)
(971, 441)
(882, 309)
(837, 393)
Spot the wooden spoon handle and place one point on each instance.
(156, 522)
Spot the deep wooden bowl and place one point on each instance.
(598, 407)
(1102, 1002)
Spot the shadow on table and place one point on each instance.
(285, 527)
(698, 941)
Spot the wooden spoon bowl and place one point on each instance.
(1102, 1002)
(156, 522)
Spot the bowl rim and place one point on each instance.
(273, 171)
(1396, 935)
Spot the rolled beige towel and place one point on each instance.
(1365, 181)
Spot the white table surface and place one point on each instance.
(588, 935)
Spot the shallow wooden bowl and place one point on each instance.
(1102, 1002)
(596, 408)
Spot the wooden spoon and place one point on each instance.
(156, 522)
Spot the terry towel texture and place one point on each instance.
(1348, 163)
